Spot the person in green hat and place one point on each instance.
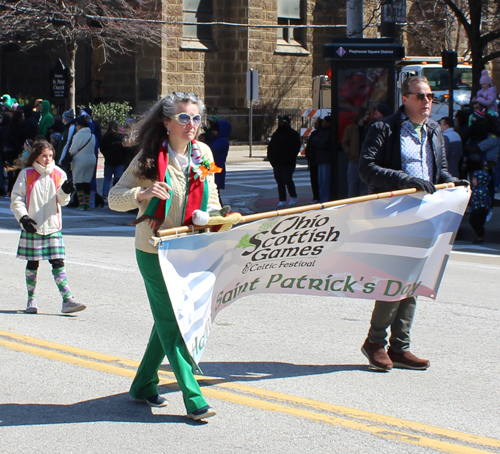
(46, 120)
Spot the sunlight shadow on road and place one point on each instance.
(114, 408)
(254, 371)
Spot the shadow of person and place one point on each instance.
(39, 314)
(253, 371)
(114, 408)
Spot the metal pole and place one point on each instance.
(334, 127)
(354, 17)
(250, 120)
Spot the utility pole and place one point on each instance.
(354, 11)
(393, 12)
(354, 18)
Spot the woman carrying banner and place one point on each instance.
(166, 182)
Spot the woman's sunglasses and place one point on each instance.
(184, 118)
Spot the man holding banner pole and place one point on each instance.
(404, 150)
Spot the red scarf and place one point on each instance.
(195, 199)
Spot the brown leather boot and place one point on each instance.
(407, 360)
(377, 356)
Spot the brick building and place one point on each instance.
(211, 60)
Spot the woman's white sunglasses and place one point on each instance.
(184, 118)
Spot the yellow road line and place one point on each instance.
(65, 358)
(349, 424)
(360, 414)
(315, 412)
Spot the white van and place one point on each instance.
(437, 76)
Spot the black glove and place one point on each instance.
(28, 224)
(68, 187)
(462, 183)
(421, 185)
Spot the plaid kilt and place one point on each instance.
(33, 246)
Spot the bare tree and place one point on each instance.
(114, 26)
(429, 28)
(479, 20)
(481, 24)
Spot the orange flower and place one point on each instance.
(214, 168)
(205, 171)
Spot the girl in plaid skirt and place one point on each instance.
(36, 200)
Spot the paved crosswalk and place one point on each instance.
(260, 175)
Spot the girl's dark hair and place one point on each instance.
(150, 131)
(36, 150)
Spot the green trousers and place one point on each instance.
(165, 339)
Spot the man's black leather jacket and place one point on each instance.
(380, 157)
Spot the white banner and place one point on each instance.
(385, 249)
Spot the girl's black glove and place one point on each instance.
(68, 187)
(28, 224)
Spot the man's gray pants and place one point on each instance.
(398, 315)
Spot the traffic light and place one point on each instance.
(449, 59)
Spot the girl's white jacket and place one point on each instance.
(38, 194)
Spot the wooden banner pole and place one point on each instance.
(189, 229)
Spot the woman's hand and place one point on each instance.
(158, 189)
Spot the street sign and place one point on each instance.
(59, 81)
(252, 95)
(252, 85)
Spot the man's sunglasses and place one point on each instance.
(181, 96)
(421, 96)
(184, 118)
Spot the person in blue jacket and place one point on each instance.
(221, 129)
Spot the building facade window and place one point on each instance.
(289, 39)
(197, 35)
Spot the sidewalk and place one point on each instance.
(241, 153)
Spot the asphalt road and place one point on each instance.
(284, 373)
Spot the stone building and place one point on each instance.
(211, 60)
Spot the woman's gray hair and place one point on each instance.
(169, 102)
(150, 131)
